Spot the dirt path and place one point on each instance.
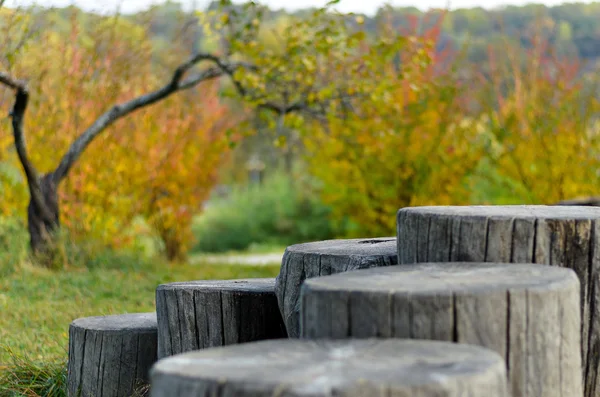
(244, 260)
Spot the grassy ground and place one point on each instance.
(37, 305)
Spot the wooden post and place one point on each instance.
(529, 314)
(567, 236)
(355, 368)
(199, 314)
(111, 356)
(303, 261)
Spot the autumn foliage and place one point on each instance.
(540, 121)
(385, 121)
(407, 144)
(520, 128)
(160, 163)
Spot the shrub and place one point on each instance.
(281, 211)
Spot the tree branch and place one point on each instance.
(120, 110)
(17, 115)
(206, 75)
(11, 82)
(303, 105)
(298, 106)
(285, 109)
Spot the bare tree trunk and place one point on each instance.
(42, 228)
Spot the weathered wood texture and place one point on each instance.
(111, 356)
(199, 314)
(365, 367)
(529, 314)
(303, 261)
(567, 236)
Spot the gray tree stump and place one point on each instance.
(111, 356)
(365, 367)
(303, 261)
(567, 236)
(526, 313)
(199, 314)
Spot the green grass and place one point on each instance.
(37, 305)
(26, 377)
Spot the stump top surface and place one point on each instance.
(511, 211)
(314, 366)
(248, 285)
(440, 278)
(380, 246)
(119, 322)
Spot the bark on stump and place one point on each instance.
(111, 356)
(199, 314)
(365, 367)
(567, 236)
(529, 314)
(303, 261)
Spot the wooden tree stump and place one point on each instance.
(303, 261)
(366, 367)
(111, 356)
(526, 313)
(199, 314)
(567, 236)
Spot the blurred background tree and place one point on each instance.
(345, 119)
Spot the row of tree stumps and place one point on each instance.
(461, 303)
